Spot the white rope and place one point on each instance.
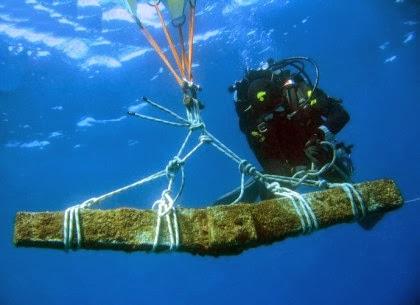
(305, 174)
(171, 169)
(227, 153)
(195, 121)
(302, 207)
(173, 166)
(246, 168)
(302, 177)
(294, 181)
(413, 200)
(150, 118)
(358, 206)
(164, 109)
(71, 221)
(241, 193)
(165, 209)
(184, 144)
(165, 206)
(223, 148)
(193, 150)
(96, 200)
(193, 115)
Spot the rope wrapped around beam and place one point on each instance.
(218, 230)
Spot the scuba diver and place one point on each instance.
(290, 124)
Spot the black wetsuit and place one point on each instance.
(278, 129)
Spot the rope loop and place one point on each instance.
(304, 175)
(306, 215)
(273, 187)
(164, 205)
(358, 206)
(166, 210)
(70, 225)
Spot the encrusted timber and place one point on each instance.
(218, 230)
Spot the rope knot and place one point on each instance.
(205, 139)
(197, 125)
(247, 168)
(166, 210)
(173, 166)
(88, 203)
(274, 187)
(164, 205)
(323, 184)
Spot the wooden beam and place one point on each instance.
(218, 230)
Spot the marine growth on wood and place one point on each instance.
(218, 230)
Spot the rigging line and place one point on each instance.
(412, 200)
(96, 200)
(193, 150)
(242, 189)
(181, 188)
(187, 138)
(182, 43)
(191, 41)
(226, 150)
(164, 109)
(157, 49)
(158, 120)
(170, 41)
(291, 180)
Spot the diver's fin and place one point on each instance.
(251, 192)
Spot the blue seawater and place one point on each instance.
(70, 70)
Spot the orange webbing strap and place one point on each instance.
(181, 41)
(191, 41)
(162, 56)
(170, 41)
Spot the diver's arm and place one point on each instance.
(334, 114)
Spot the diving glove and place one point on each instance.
(316, 152)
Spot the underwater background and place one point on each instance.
(70, 70)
